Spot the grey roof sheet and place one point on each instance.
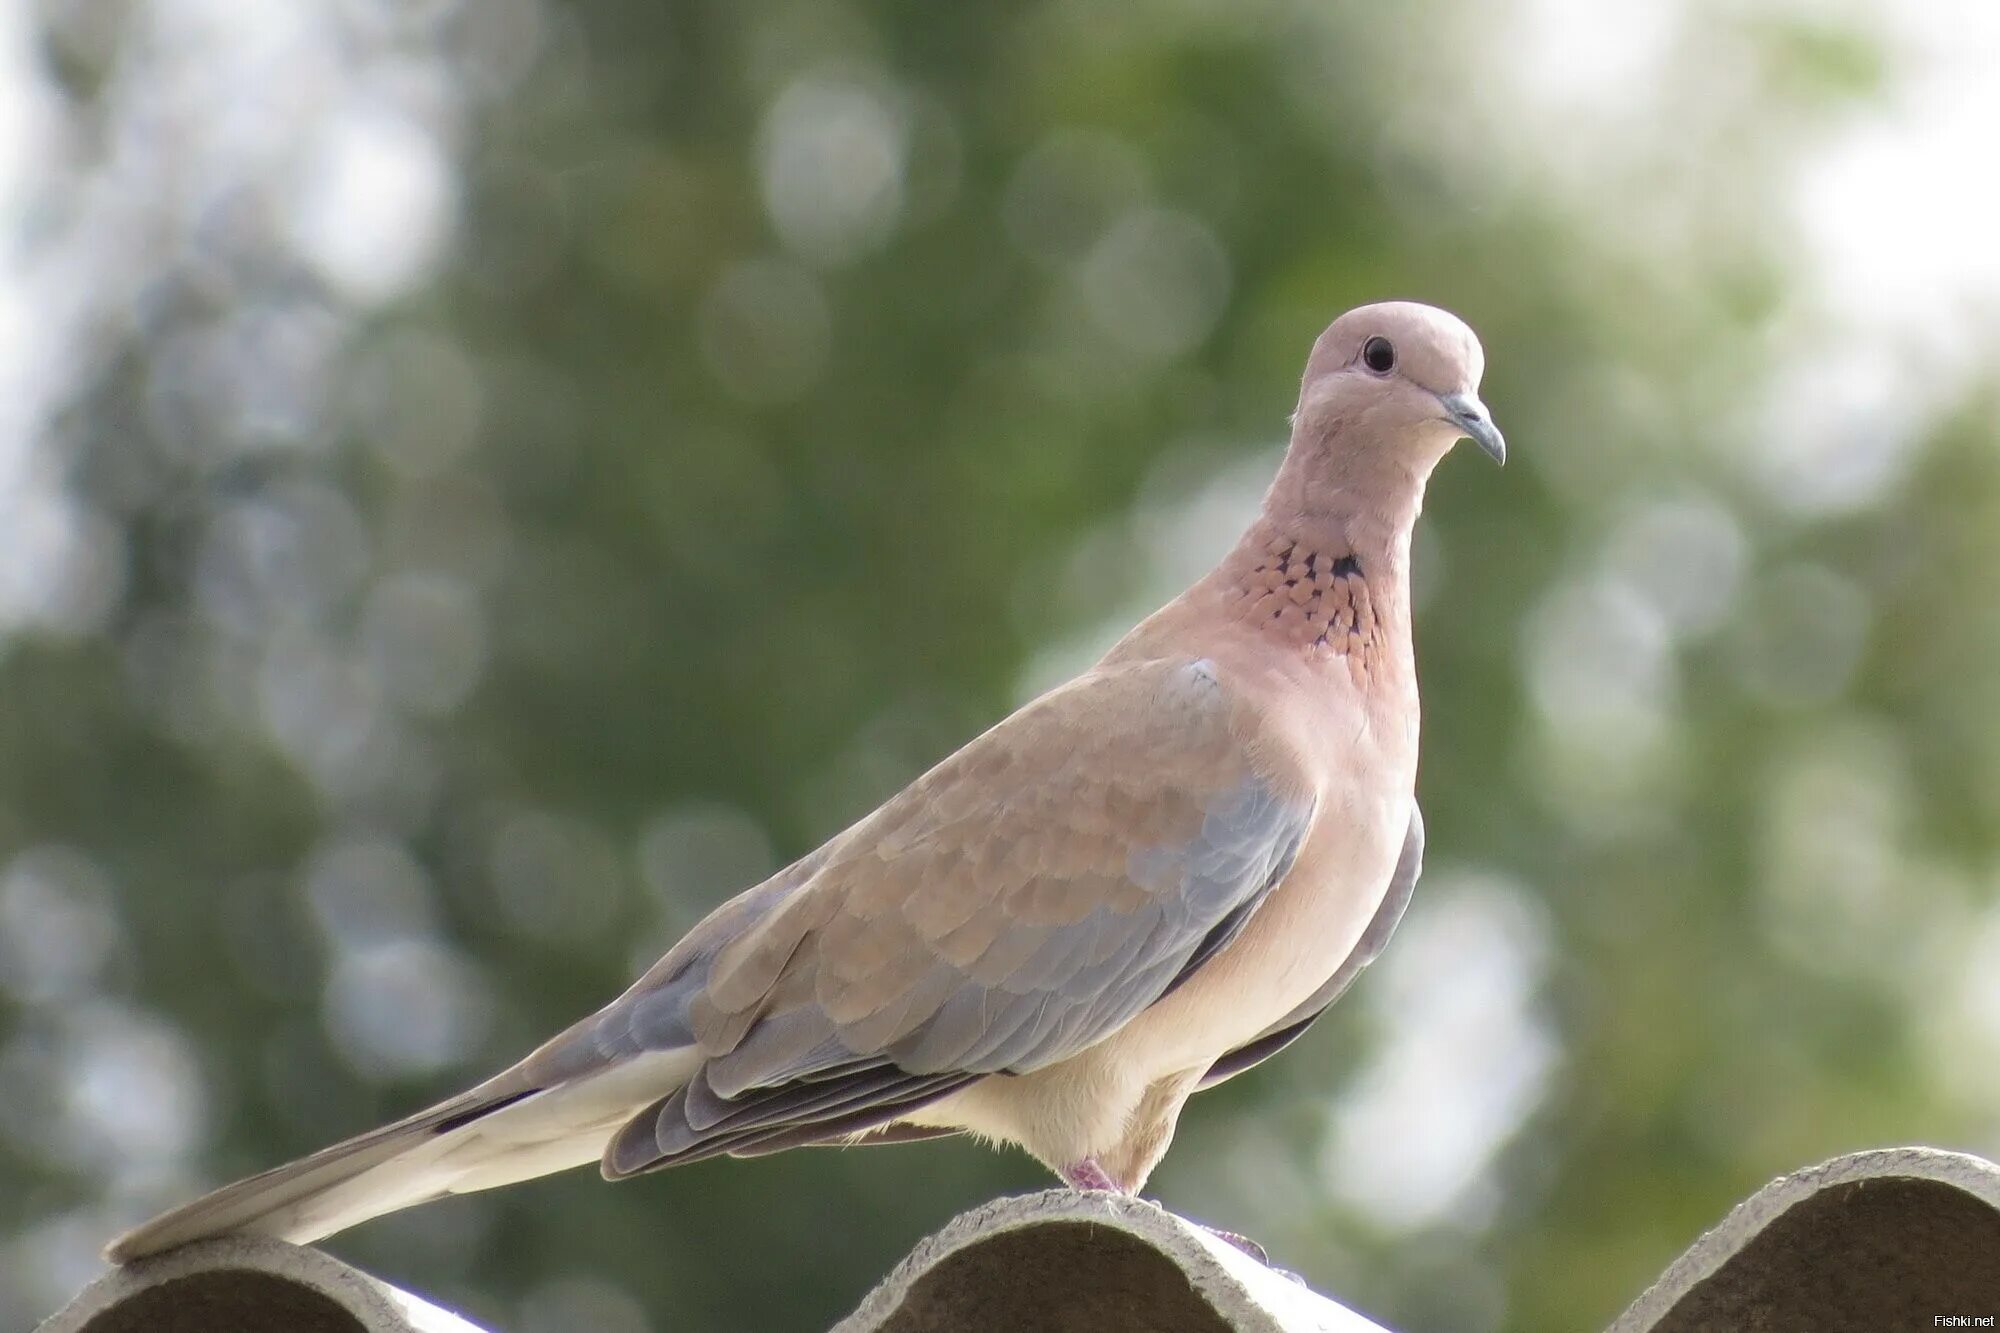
(1874, 1241)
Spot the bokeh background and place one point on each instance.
(483, 480)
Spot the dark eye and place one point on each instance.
(1379, 355)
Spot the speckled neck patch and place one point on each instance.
(1318, 600)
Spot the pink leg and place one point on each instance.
(1088, 1175)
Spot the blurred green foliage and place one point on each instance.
(437, 624)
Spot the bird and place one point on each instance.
(1139, 884)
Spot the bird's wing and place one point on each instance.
(1015, 905)
(1380, 927)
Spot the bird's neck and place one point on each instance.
(1360, 502)
(1379, 543)
(1331, 582)
(1326, 583)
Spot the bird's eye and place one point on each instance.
(1379, 355)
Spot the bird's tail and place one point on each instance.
(503, 1131)
(373, 1173)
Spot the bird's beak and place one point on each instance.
(1470, 415)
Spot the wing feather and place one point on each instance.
(1013, 906)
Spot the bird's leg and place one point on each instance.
(1088, 1175)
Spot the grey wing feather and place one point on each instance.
(1388, 914)
(652, 1014)
(796, 1079)
(1116, 964)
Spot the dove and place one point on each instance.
(1139, 884)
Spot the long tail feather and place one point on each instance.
(278, 1202)
(503, 1131)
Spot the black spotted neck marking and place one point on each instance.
(1314, 599)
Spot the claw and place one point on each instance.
(1243, 1243)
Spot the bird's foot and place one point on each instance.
(1254, 1250)
(1088, 1175)
(1251, 1247)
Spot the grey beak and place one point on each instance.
(1470, 415)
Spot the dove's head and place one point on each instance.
(1390, 388)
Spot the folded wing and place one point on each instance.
(1015, 905)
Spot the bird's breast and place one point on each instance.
(1307, 927)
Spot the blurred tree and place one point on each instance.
(484, 482)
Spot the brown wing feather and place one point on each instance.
(1015, 904)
